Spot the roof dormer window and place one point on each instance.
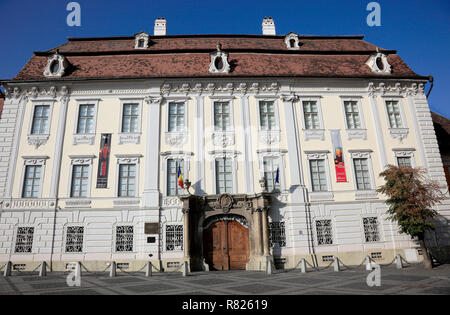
(291, 41)
(56, 66)
(378, 63)
(142, 40)
(219, 61)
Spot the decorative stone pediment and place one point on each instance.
(291, 41)
(399, 133)
(37, 140)
(379, 64)
(141, 40)
(176, 139)
(56, 66)
(219, 61)
(223, 138)
(83, 139)
(269, 137)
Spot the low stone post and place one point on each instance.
(303, 265)
(269, 267)
(185, 269)
(398, 261)
(368, 264)
(8, 268)
(148, 273)
(336, 264)
(43, 270)
(112, 270)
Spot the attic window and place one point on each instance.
(56, 66)
(142, 40)
(141, 43)
(379, 64)
(291, 41)
(219, 61)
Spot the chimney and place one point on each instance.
(268, 26)
(160, 27)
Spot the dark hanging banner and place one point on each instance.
(103, 161)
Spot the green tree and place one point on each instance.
(411, 197)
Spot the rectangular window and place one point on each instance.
(362, 175)
(404, 161)
(24, 240)
(40, 120)
(130, 118)
(271, 168)
(267, 115)
(74, 239)
(318, 175)
(80, 181)
(176, 117)
(311, 113)
(324, 232)
(86, 116)
(371, 233)
(395, 118)
(127, 180)
(124, 238)
(32, 181)
(221, 116)
(173, 189)
(174, 237)
(352, 115)
(224, 176)
(277, 234)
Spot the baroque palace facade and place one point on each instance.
(279, 140)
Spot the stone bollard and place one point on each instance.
(148, 273)
(336, 264)
(269, 267)
(398, 261)
(112, 270)
(368, 264)
(8, 268)
(43, 270)
(185, 269)
(303, 265)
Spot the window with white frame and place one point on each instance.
(371, 233)
(222, 116)
(362, 174)
(277, 234)
(394, 114)
(124, 238)
(86, 119)
(40, 123)
(267, 115)
(173, 166)
(74, 239)
(130, 118)
(324, 232)
(311, 115)
(24, 240)
(404, 161)
(272, 173)
(318, 175)
(352, 115)
(174, 237)
(176, 117)
(127, 180)
(32, 181)
(80, 181)
(224, 176)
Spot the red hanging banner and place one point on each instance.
(341, 176)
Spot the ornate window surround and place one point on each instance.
(33, 161)
(319, 195)
(175, 155)
(134, 137)
(65, 238)
(177, 138)
(279, 154)
(40, 139)
(223, 138)
(219, 53)
(312, 134)
(273, 136)
(287, 40)
(229, 154)
(80, 201)
(63, 63)
(396, 133)
(360, 133)
(127, 159)
(363, 194)
(372, 63)
(141, 36)
(90, 137)
(408, 152)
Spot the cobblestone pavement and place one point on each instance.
(411, 280)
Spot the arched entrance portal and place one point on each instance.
(226, 243)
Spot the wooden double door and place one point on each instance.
(226, 246)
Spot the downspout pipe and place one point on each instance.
(431, 80)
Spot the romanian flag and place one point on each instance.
(180, 178)
(277, 178)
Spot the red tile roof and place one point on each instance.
(189, 56)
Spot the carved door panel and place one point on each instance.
(238, 245)
(215, 246)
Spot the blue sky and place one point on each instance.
(419, 30)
